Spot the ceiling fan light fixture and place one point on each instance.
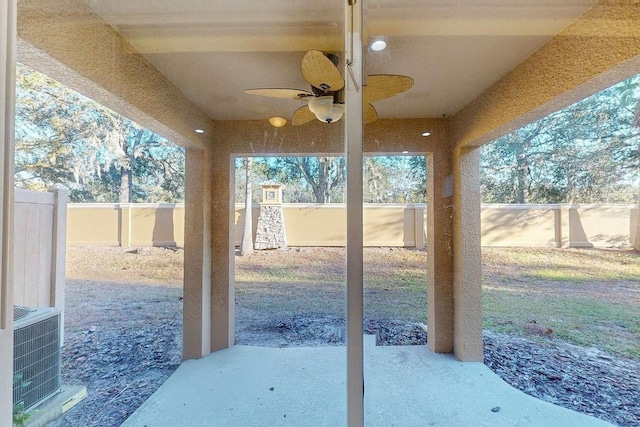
(325, 110)
(277, 122)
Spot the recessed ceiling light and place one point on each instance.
(426, 133)
(199, 131)
(378, 45)
(405, 152)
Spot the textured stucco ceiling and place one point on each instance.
(454, 50)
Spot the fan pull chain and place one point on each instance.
(353, 77)
(350, 61)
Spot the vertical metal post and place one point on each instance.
(353, 144)
(8, 43)
(58, 254)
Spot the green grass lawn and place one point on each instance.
(586, 297)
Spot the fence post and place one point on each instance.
(125, 225)
(58, 253)
(563, 226)
(635, 229)
(418, 226)
(557, 225)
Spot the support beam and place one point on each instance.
(197, 256)
(69, 42)
(597, 50)
(467, 257)
(354, 146)
(7, 109)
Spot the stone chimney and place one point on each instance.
(271, 233)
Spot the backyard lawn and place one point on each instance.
(587, 297)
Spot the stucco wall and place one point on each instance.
(384, 225)
(326, 225)
(507, 225)
(557, 225)
(307, 225)
(125, 224)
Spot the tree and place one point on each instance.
(260, 172)
(387, 179)
(325, 175)
(376, 180)
(247, 233)
(395, 179)
(418, 175)
(585, 153)
(63, 138)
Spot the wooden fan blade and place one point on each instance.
(381, 86)
(319, 72)
(280, 93)
(302, 115)
(369, 114)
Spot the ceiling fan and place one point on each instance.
(325, 100)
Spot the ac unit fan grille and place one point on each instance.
(36, 361)
(20, 312)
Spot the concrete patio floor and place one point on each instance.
(404, 386)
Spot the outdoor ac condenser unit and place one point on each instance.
(36, 354)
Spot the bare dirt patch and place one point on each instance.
(154, 266)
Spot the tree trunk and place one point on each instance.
(126, 171)
(522, 181)
(126, 177)
(247, 234)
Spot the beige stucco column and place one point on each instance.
(467, 257)
(223, 247)
(440, 251)
(209, 259)
(7, 102)
(197, 255)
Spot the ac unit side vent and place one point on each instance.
(36, 357)
(20, 312)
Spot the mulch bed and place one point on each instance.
(586, 380)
